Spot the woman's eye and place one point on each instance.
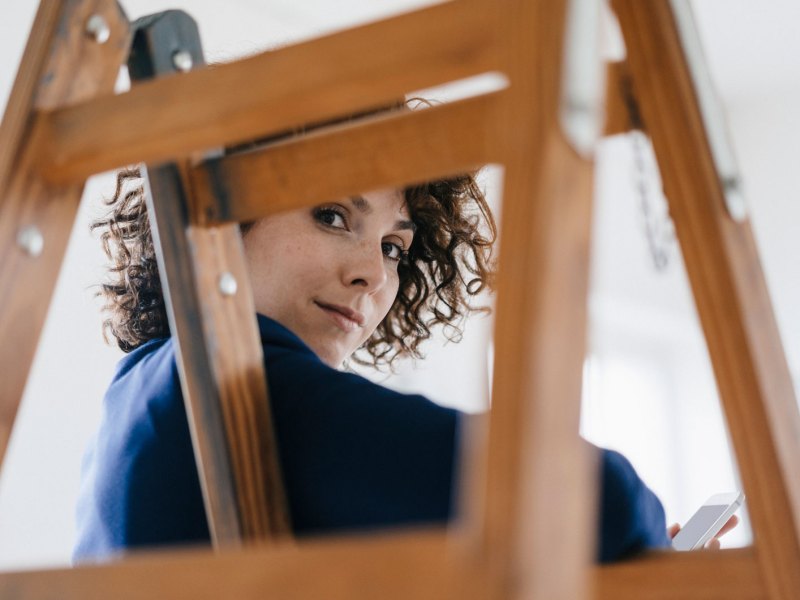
(393, 251)
(330, 217)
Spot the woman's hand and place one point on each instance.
(713, 543)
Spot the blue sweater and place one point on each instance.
(354, 455)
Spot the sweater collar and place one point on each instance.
(274, 334)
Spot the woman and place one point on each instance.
(365, 277)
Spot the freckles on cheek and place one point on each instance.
(304, 260)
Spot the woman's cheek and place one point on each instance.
(389, 298)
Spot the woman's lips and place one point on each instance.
(346, 318)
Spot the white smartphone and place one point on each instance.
(707, 521)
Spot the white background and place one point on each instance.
(649, 390)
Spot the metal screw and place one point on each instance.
(31, 240)
(227, 284)
(97, 28)
(182, 60)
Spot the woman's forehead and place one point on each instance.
(389, 201)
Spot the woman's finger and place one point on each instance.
(712, 544)
(673, 530)
(731, 523)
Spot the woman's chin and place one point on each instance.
(329, 354)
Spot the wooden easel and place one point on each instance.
(526, 474)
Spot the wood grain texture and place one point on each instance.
(376, 152)
(60, 67)
(387, 567)
(16, 119)
(728, 574)
(218, 350)
(235, 356)
(538, 471)
(531, 474)
(276, 91)
(732, 299)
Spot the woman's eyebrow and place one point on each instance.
(402, 225)
(361, 204)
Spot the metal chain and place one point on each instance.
(658, 227)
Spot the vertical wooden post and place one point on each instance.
(538, 471)
(729, 289)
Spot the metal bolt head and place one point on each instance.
(31, 240)
(97, 28)
(227, 284)
(182, 60)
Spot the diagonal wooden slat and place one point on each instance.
(218, 349)
(61, 65)
(275, 91)
(732, 299)
(168, 222)
(21, 102)
(348, 159)
(235, 356)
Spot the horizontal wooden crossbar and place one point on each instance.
(416, 564)
(413, 564)
(387, 150)
(274, 91)
(729, 574)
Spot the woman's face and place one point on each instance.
(329, 273)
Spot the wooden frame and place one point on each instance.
(730, 291)
(278, 97)
(56, 70)
(458, 134)
(509, 541)
(218, 350)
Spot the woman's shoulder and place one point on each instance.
(151, 355)
(145, 383)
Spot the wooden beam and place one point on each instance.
(61, 64)
(538, 472)
(732, 299)
(275, 91)
(16, 119)
(218, 349)
(388, 150)
(234, 355)
(416, 564)
(729, 574)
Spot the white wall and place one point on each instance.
(649, 389)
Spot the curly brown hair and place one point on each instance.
(449, 262)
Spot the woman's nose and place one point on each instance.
(366, 268)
